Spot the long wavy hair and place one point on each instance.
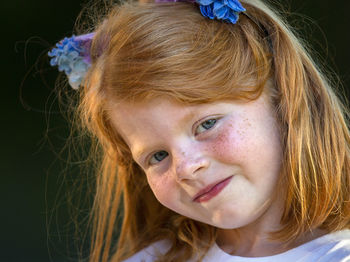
(144, 50)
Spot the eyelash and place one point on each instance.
(212, 121)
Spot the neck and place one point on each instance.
(249, 242)
(254, 239)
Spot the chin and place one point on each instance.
(223, 220)
(227, 224)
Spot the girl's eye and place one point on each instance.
(207, 124)
(157, 157)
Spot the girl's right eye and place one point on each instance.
(157, 157)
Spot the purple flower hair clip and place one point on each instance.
(226, 10)
(72, 55)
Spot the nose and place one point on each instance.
(188, 163)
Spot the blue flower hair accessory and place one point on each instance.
(226, 10)
(72, 55)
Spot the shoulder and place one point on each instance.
(337, 246)
(150, 253)
(333, 247)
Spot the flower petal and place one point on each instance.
(72, 55)
(207, 11)
(205, 2)
(235, 5)
(220, 11)
(233, 17)
(217, 5)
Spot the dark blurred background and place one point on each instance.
(34, 221)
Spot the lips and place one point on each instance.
(211, 191)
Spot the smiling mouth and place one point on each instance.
(211, 191)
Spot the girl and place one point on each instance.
(217, 136)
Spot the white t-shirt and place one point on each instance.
(333, 247)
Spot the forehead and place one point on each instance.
(143, 110)
(132, 118)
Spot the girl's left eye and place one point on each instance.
(207, 124)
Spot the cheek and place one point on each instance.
(163, 188)
(231, 142)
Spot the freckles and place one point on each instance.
(162, 188)
(228, 142)
(242, 129)
(157, 184)
(219, 145)
(234, 142)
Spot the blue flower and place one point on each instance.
(227, 10)
(71, 57)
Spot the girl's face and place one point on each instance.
(217, 163)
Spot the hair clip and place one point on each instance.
(72, 55)
(226, 10)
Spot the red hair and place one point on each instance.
(151, 50)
